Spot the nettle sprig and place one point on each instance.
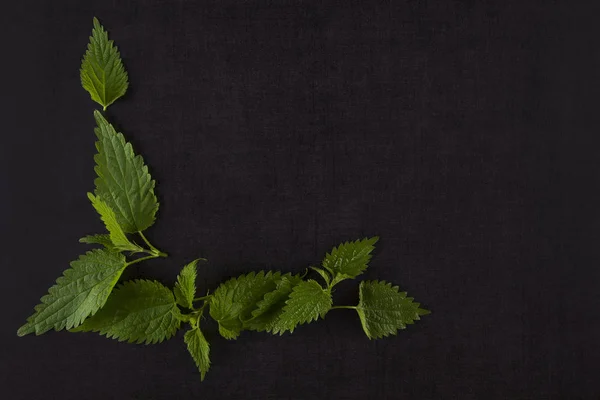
(85, 299)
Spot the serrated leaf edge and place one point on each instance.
(175, 311)
(360, 310)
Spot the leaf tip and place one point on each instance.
(25, 330)
(98, 116)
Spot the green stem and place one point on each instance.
(202, 298)
(340, 307)
(194, 316)
(146, 240)
(142, 259)
(153, 249)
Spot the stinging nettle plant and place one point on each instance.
(85, 298)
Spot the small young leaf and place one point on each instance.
(234, 300)
(138, 311)
(102, 72)
(306, 303)
(102, 238)
(268, 310)
(123, 182)
(349, 259)
(116, 234)
(323, 274)
(199, 349)
(185, 287)
(80, 292)
(383, 310)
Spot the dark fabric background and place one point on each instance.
(464, 133)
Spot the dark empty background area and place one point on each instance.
(464, 133)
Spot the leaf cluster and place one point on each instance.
(88, 297)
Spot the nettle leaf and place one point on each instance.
(199, 349)
(185, 287)
(349, 259)
(139, 311)
(123, 182)
(102, 72)
(383, 309)
(268, 310)
(234, 300)
(307, 302)
(102, 238)
(79, 293)
(116, 234)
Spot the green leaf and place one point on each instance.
(103, 239)
(123, 182)
(199, 349)
(306, 303)
(234, 300)
(79, 293)
(185, 287)
(230, 329)
(383, 310)
(139, 311)
(268, 310)
(323, 274)
(102, 72)
(117, 236)
(349, 259)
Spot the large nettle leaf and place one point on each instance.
(269, 309)
(123, 182)
(102, 72)
(234, 300)
(383, 309)
(307, 302)
(80, 292)
(138, 311)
